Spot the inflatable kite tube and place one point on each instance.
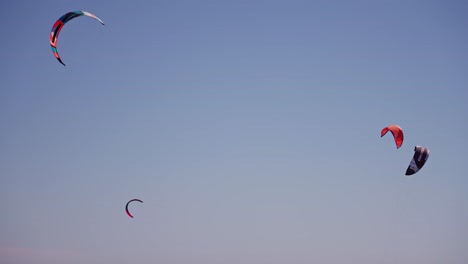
(126, 206)
(58, 25)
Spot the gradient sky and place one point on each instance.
(250, 129)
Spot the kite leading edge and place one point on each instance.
(57, 27)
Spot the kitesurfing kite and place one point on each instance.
(54, 34)
(397, 134)
(126, 206)
(419, 159)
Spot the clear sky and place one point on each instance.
(250, 129)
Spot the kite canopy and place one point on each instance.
(421, 154)
(397, 134)
(57, 27)
(126, 206)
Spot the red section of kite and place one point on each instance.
(397, 134)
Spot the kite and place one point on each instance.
(54, 34)
(126, 206)
(397, 134)
(419, 159)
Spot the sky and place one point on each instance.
(249, 129)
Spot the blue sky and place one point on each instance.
(250, 129)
